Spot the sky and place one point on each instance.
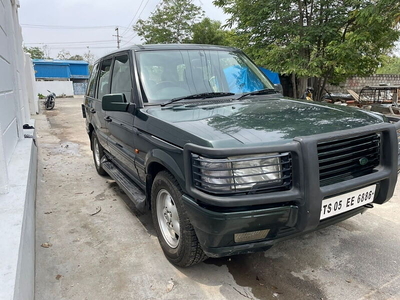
(82, 25)
(54, 23)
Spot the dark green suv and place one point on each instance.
(226, 164)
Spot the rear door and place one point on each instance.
(122, 134)
(98, 114)
(91, 92)
(94, 111)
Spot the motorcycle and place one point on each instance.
(308, 94)
(50, 101)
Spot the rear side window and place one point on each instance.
(121, 77)
(92, 81)
(104, 78)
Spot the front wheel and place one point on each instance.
(50, 104)
(175, 233)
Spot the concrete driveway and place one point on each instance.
(83, 252)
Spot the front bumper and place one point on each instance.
(287, 213)
(216, 230)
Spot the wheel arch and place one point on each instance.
(158, 160)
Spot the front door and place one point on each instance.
(122, 136)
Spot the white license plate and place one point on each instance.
(342, 203)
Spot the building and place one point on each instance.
(18, 160)
(63, 77)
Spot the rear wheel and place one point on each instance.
(175, 233)
(98, 154)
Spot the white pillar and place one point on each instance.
(30, 85)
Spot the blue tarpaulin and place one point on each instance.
(242, 80)
(272, 76)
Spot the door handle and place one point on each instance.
(107, 119)
(93, 111)
(119, 145)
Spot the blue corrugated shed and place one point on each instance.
(65, 69)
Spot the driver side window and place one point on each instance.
(121, 77)
(104, 78)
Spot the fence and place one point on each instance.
(357, 83)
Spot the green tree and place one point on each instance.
(46, 51)
(76, 57)
(171, 22)
(35, 52)
(209, 32)
(390, 65)
(318, 41)
(90, 58)
(64, 54)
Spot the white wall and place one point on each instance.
(58, 87)
(18, 159)
(14, 105)
(17, 225)
(24, 288)
(8, 112)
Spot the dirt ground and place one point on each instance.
(90, 244)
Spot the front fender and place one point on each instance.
(163, 158)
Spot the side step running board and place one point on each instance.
(130, 188)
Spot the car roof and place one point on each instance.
(152, 47)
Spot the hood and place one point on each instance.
(257, 122)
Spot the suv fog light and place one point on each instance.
(251, 236)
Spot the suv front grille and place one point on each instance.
(348, 158)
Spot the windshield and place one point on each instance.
(168, 74)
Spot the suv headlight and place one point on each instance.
(396, 122)
(242, 173)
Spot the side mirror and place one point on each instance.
(114, 102)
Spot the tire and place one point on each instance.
(181, 247)
(50, 104)
(98, 154)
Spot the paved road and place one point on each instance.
(114, 254)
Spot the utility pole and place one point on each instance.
(118, 36)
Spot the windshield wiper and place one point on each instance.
(260, 92)
(199, 96)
